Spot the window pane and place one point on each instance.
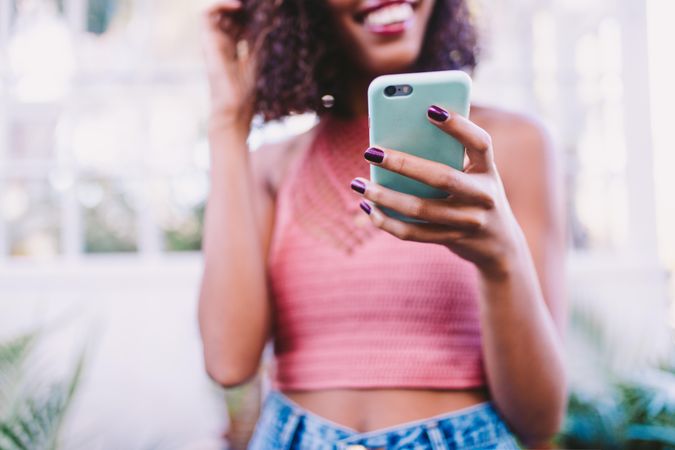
(109, 218)
(105, 131)
(180, 203)
(183, 229)
(102, 14)
(31, 213)
(40, 52)
(174, 41)
(31, 134)
(598, 175)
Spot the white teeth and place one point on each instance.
(398, 12)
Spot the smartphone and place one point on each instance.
(397, 110)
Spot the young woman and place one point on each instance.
(387, 334)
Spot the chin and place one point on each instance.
(394, 60)
(383, 36)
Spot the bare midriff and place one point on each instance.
(367, 410)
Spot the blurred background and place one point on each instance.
(103, 179)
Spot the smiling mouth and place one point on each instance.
(387, 16)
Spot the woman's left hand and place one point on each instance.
(475, 220)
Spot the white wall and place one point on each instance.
(144, 382)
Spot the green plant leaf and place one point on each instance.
(7, 432)
(651, 433)
(37, 419)
(13, 354)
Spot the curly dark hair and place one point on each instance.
(300, 58)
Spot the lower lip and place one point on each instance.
(391, 29)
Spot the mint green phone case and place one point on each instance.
(401, 123)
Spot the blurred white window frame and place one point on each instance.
(62, 174)
(640, 250)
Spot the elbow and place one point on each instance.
(544, 428)
(541, 435)
(229, 374)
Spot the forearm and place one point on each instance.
(522, 349)
(233, 309)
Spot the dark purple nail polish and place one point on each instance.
(438, 114)
(374, 155)
(365, 207)
(359, 186)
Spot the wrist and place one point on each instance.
(227, 141)
(498, 269)
(507, 261)
(229, 123)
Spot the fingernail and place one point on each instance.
(359, 186)
(365, 207)
(374, 155)
(438, 114)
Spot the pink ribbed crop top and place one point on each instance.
(355, 307)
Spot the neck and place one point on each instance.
(346, 136)
(358, 95)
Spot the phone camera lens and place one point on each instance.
(390, 91)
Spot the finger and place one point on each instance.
(435, 174)
(409, 231)
(477, 141)
(223, 6)
(220, 21)
(219, 30)
(216, 12)
(434, 211)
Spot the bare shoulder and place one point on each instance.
(270, 162)
(522, 144)
(513, 132)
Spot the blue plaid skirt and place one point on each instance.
(285, 425)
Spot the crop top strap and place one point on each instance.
(283, 215)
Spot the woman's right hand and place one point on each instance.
(230, 66)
